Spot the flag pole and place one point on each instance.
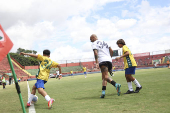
(16, 83)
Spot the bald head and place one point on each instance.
(93, 38)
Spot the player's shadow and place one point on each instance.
(108, 96)
(39, 106)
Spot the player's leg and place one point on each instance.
(104, 84)
(3, 85)
(129, 82)
(47, 97)
(104, 71)
(41, 91)
(85, 74)
(135, 81)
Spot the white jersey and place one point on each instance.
(103, 50)
(57, 72)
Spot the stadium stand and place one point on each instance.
(5, 68)
(25, 72)
(145, 61)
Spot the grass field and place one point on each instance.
(80, 95)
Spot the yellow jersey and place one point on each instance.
(45, 66)
(71, 72)
(113, 68)
(129, 60)
(84, 69)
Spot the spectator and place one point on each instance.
(3, 81)
(10, 79)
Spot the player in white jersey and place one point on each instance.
(57, 74)
(103, 53)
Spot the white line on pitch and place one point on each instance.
(31, 108)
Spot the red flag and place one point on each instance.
(5, 43)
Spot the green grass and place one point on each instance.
(80, 95)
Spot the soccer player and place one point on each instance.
(43, 75)
(19, 80)
(129, 66)
(114, 68)
(57, 74)
(85, 73)
(155, 65)
(103, 53)
(71, 73)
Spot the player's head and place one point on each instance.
(46, 53)
(93, 38)
(120, 43)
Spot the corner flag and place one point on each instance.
(5, 43)
(5, 46)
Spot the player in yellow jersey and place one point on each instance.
(129, 66)
(85, 73)
(71, 73)
(43, 74)
(114, 68)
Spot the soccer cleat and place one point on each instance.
(138, 89)
(28, 104)
(50, 103)
(118, 89)
(103, 94)
(129, 92)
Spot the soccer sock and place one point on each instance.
(103, 89)
(47, 97)
(31, 97)
(136, 83)
(130, 86)
(113, 82)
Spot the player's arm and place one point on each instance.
(96, 57)
(59, 67)
(56, 65)
(126, 54)
(111, 51)
(32, 55)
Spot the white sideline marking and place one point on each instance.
(31, 108)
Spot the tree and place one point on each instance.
(34, 52)
(25, 61)
(19, 50)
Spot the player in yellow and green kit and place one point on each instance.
(129, 66)
(71, 73)
(85, 73)
(43, 75)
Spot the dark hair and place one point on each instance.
(46, 52)
(121, 41)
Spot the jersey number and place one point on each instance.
(102, 44)
(47, 65)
